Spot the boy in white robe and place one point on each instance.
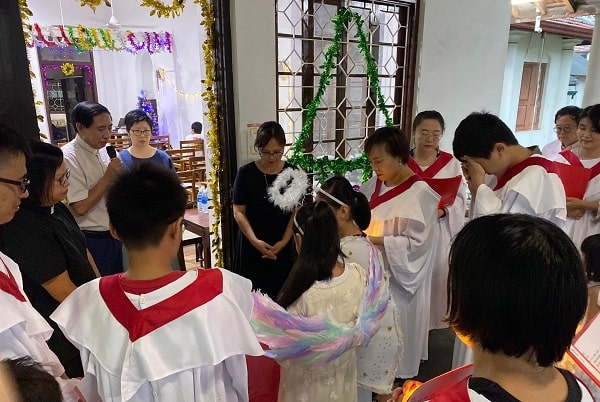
(152, 334)
(23, 331)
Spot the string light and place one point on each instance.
(162, 75)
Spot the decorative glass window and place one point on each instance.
(348, 112)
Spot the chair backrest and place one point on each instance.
(161, 141)
(188, 181)
(197, 144)
(119, 141)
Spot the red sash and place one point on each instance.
(575, 161)
(519, 167)
(433, 169)
(9, 284)
(452, 386)
(377, 199)
(138, 323)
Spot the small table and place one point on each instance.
(197, 222)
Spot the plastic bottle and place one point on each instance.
(203, 200)
(199, 200)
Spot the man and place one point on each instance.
(92, 172)
(23, 331)
(523, 183)
(565, 126)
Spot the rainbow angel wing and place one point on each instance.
(319, 339)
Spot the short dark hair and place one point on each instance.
(136, 116)
(84, 113)
(267, 131)
(197, 127)
(34, 384)
(592, 113)
(590, 248)
(516, 283)
(571, 111)
(12, 144)
(477, 134)
(428, 115)
(45, 159)
(142, 202)
(319, 253)
(393, 140)
(339, 187)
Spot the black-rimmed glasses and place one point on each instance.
(22, 184)
(139, 133)
(62, 180)
(270, 155)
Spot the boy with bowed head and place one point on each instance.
(522, 182)
(174, 335)
(23, 331)
(517, 291)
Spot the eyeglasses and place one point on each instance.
(62, 180)
(429, 134)
(139, 133)
(564, 129)
(270, 155)
(22, 184)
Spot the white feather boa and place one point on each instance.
(289, 187)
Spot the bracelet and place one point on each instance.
(445, 211)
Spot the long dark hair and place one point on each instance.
(319, 253)
(339, 187)
(590, 248)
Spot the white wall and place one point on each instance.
(121, 75)
(461, 56)
(254, 61)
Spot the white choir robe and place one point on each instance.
(407, 220)
(24, 332)
(444, 167)
(589, 224)
(183, 342)
(377, 361)
(530, 187)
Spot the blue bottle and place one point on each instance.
(203, 200)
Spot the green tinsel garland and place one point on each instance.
(323, 167)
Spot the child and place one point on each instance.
(377, 361)
(32, 382)
(152, 334)
(320, 283)
(523, 183)
(517, 290)
(404, 216)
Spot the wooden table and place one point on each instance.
(197, 222)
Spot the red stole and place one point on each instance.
(575, 161)
(377, 199)
(452, 386)
(519, 167)
(207, 286)
(433, 169)
(9, 284)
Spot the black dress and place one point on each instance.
(268, 223)
(46, 241)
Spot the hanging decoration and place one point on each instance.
(25, 14)
(161, 75)
(90, 73)
(88, 39)
(144, 104)
(160, 10)
(68, 69)
(93, 4)
(325, 166)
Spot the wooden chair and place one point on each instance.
(198, 145)
(180, 157)
(161, 142)
(119, 141)
(198, 165)
(189, 239)
(188, 181)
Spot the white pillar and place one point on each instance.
(591, 93)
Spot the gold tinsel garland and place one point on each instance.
(25, 14)
(212, 114)
(160, 10)
(93, 4)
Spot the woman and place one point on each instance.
(376, 362)
(262, 251)
(583, 217)
(321, 283)
(139, 127)
(404, 225)
(48, 246)
(428, 161)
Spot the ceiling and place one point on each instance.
(526, 11)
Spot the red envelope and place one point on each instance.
(448, 387)
(574, 179)
(446, 188)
